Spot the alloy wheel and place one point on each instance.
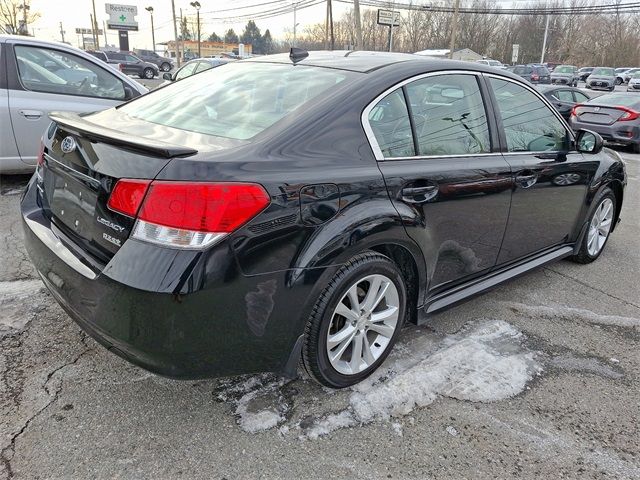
(363, 324)
(600, 227)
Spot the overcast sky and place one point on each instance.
(75, 14)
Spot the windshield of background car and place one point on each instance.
(562, 69)
(605, 72)
(618, 100)
(235, 101)
(522, 70)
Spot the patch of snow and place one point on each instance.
(614, 360)
(397, 428)
(589, 365)
(330, 423)
(452, 431)
(559, 312)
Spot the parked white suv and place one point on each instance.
(38, 77)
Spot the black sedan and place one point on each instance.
(305, 206)
(563, 98)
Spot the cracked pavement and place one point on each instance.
(70, 409)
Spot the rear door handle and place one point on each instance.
(419, 194)
(31, 114)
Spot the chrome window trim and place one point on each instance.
(563, 122)
(373, 142)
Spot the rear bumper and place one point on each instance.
(202, 319)
(616, 133)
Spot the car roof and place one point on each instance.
(356, 61)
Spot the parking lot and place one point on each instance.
(539, 377)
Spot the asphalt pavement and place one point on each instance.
(539, 378)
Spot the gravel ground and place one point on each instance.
(538, 378)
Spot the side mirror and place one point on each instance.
(129, 93)
(589, 142)
(167, 76)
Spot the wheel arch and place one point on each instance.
(618, 192)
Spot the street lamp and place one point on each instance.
(196, 5)
(153, 33)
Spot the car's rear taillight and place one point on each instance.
(187, 214)
(41, 154)
(127, 196)
(121, 67)
(535, 76)
(628, 114)
(574, 110)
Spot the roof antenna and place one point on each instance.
(297, 54)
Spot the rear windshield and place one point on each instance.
(606, 72)
(521, 70)
(563, 69)
(237, 100)
(542, 70)
(617, 100)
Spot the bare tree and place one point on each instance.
(13, 14)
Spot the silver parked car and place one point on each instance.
(634, 83)
(615, 116)
(565, 75)
(602, 78)
(39, 77)
(626, 76)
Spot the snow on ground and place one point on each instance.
(13, 298)
(485, 362)
(559, 312)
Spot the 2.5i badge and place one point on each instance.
(111, 239)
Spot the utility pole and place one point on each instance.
(295, 24)
(544, 40)
(62, 32)
(93, 36)
(175, 33)
(196, 5)
(153, 33)
(23, 29)
(326, 28)
(356, 13)
(393, 17)
(94, 27)
(454, 28)
(104, 31)
(333, 39)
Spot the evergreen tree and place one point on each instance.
(214, 38)
(231, 36)
(267, 43)
(253, 36)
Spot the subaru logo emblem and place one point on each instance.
(68, 145)
(596, 109)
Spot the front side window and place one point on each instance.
(448, 115)
(389, 120)
(580, 97)
(529, 125)
(131, 58)
(236, 101)
(202, 66)
(186, 71)
(54, 71)
(564, 95)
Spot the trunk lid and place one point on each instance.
(598, 114)
(82, 163)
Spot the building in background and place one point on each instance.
(189, 49)
(465, 54)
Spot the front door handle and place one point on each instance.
(31, 114)
(419, 194)
(526, 180)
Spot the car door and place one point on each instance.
(44, 79)
(564, 101)
(550, 176)
(9, 157)
(440, 160)
(132, 65)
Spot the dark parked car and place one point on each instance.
(565, 75)
(584, 72)
(128, 64)
(602, 78)
(563, 98)
(163, 63)
(615, 116)
(533, 73)
(192, 67)
(304, 206)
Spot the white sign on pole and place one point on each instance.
(514, 54)
(388, 17)
(121, 17)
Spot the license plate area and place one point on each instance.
(72, 202)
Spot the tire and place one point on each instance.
(612, 89)
(356, 277)
(148, 73)
(636, 147)
(604, 202)
(618, 81)
(165, 66)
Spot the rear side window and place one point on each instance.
(564, 95)
(389, 120)
(529, 125)
(543, 71)
(116, 56)
(448, 115)
(54, 71)
(238, 100)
